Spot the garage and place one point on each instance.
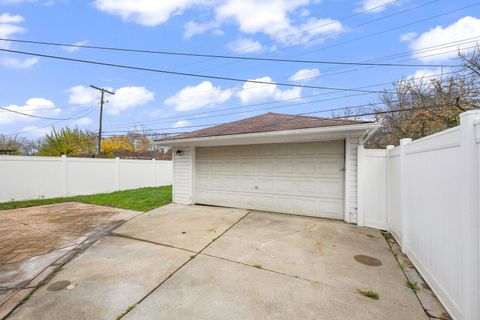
(272, 162)
(300, 178)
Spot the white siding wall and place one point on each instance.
(183, 175)
(23, 178)
(352, 180)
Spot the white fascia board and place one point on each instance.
(309, 134)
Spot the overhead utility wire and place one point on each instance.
(391, 29)
(342, 31)
(188, 74)
(339, 117)
(38, 117)
(165, 120)
(300, 32)
(226, 56)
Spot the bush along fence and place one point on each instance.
(426, 193)
(24, 178)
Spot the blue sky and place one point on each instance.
(293, 29)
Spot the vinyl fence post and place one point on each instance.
(154, 173)
(403, 193)
(63, 175)
(469, 213)
(387, 183)
(117, 173)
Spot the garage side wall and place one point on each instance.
(351, 181)
(182, 175)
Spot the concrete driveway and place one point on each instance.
(199, 262)
(35, 241)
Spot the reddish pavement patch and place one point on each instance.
(36, 240)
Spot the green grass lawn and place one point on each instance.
(143, 199)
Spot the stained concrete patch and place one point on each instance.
(109, 277)
(319, 250)
(211, 288)
(36, 237)
(186, 227)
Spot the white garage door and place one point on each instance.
(300, 178)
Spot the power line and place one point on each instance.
(339, 117)
(188, 74)
(392, 29)
(190, 54)
(302, 31)
(380, 32)
(355, 26)
(406, 53)
(165, 120)
(48, 125)
(36, 116)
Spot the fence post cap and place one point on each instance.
(390, 146)
(405, 141)
(63, 156)
(470, 113)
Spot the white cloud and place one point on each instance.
(128, 97)
(407, 37)
(253, 92)
(9, 27)
(464, 28)
(85, 121)
(18, 63)
(8, 18)
(146, 12)
(305, 74)
(193, 28)
(375, 5)
(181, 124)
(124, 98)
(34, 106)
(83, 96)
(244, 45)
(275, 18)
(426, 76)
(75, 49)
(202, 95)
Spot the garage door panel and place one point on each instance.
(330, 188)
(265, 185)
(300, 178)
(265, 167)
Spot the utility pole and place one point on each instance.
(102, 101)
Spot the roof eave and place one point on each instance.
(253, 138)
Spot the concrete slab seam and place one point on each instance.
(130, 308)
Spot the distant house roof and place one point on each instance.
(264, 123)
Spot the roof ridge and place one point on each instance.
(270, 121)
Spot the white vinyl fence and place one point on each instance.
(426, 193)
(23, 178)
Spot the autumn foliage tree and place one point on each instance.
(69, 142)
(419, 107)
(117, 146)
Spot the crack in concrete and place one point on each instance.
(133, 306)
(262, 244)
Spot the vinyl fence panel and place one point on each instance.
(432, 195)
(23, 178)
